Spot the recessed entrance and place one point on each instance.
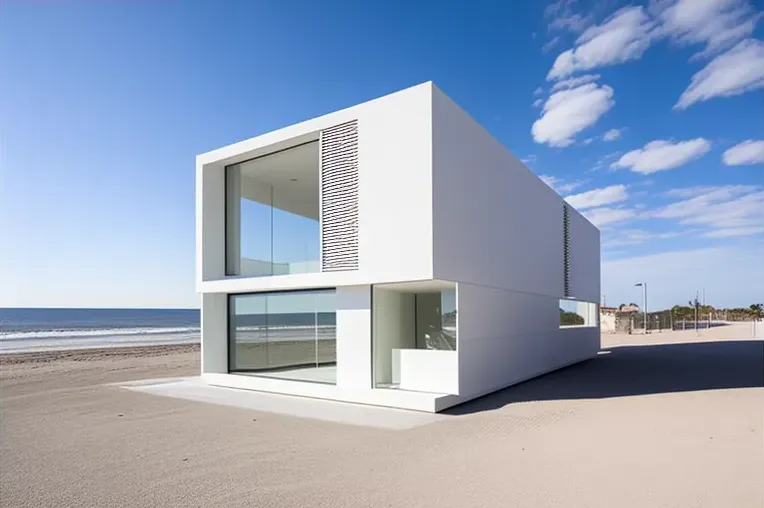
(414, 335)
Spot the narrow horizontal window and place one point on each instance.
(577, 313)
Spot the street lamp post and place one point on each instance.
(644, 300)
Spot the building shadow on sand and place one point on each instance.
(639, 370)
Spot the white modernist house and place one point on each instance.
(393, 253)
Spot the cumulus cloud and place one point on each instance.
(622, 37)
(605, 216)
(661, 155)
(737, 71)
(716, 23)
(537, 103)
(612, 135)
(598, 197)
(568, 112)
(747, 152)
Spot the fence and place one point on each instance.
(634, 322)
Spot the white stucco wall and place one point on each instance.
(490, 213)
(584, 258)
(395, 195)
(498, 233)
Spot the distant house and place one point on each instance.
(632, 307)
(393, 253)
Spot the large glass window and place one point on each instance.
(577, 313)
(436, 320)
(290, 335)
(272, 213)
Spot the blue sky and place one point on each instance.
(648, 116)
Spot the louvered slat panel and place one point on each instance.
(339, 198)
(566, 248)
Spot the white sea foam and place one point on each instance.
(105, 332)
(56, 340)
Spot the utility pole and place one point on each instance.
(644, 300)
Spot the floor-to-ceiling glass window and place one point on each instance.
(288, 334)
(272, 213)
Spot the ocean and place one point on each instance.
(29, 330)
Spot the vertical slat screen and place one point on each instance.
(339, 198)
(566, 248)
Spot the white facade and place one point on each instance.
(441, 259)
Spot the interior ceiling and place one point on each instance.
(293, 174)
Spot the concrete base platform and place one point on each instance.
(196, 389)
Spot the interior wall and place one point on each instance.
(507, 336)
(393, 329)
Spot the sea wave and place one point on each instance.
(105, 332)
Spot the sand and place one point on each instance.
(671, 419)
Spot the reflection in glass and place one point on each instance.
(288, 335)
(577, 313)
(436, 320)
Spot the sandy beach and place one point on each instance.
(665, 420)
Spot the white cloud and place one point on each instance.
(563, 18)
(529, 159)
(560, 186)
(549, 45)
(730, 232)
(732, 277)
(598, 197)
(747, 152)
(637, 237)
(661, 155)
(538, 91)
(622, 37)
(575, 82)
(737, 207)
(717, 23)
(568, 112)
(612, 135)
(538, 102)
(627, 33)
(606, 216)
(726, 190)
(737, 71)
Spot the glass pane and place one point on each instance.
(436, 320)
(289, 335)
(272, 213)
(295, 237)
(577, 313)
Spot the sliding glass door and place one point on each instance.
(289, 334)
